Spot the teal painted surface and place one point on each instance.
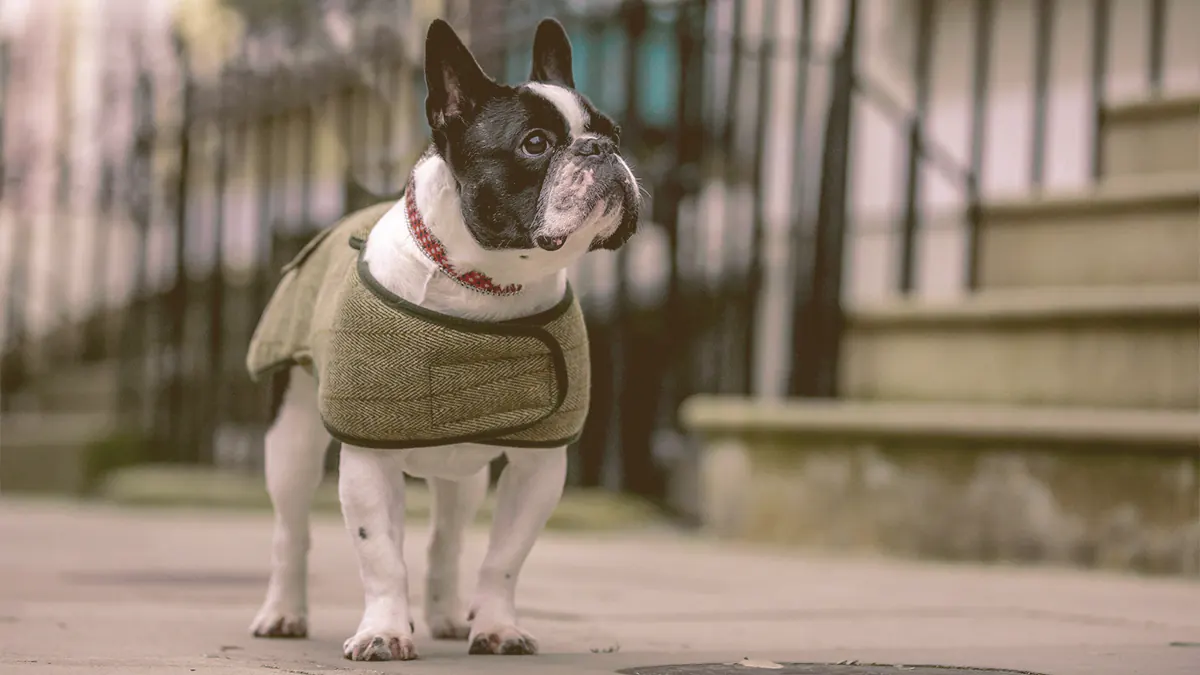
(600, 51)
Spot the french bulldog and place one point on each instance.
(518, 183)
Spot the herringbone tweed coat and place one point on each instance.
(395, 375)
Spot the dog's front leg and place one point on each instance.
(371, 489)
(528, 491)
(455, 504)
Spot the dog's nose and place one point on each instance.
(595, 145)
(550, 243)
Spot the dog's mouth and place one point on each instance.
(550, 243)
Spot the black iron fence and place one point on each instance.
(693, 84)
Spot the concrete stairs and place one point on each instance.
(1151, 137)
(1109, 347)
(1090, 298)
(54, 422)
(1136, 230)
(88, 387)
(51, 425)
(1052, 416)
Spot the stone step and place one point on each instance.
(1130, 231)
(1101, 428)
(46, 452)
(1087, 487)
(1102, 347)
(79, 388)
(1151, 137)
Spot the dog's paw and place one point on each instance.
(447, 627)
(502, 639)
(380, 646)
(272, 623)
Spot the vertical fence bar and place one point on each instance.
(1100, 25)
(709, 300)
(1157, 44)
(635, 410)
(349, 138)
(912, 188)
(281, 154)
(363, 132)
(754, 278)
(16, 364)
(593, 447)
(97, 331)
(133, 357)
(15, 167)
(266, 148)
(177, 304)
(699, 292)
(688, 143)
(6, 175)
(618, 464)
(1044, 29)
(307, 123)
(215, 368)
(5, 59)
(97, 337)
(59, 342)
(800, 251)
(979, 99)
(726, 315)
(614, 470)
(6, 384)
(389, 89)
(818, 327)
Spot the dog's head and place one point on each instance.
(537, 167)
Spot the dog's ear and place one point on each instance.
(457, 85)
(552, 55)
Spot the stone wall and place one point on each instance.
(958, 500)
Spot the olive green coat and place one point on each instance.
(395, 375)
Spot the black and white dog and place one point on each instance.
(518, 183)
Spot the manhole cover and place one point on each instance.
(772, 668)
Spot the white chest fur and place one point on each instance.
(398, 263)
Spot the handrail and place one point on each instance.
(942, 159)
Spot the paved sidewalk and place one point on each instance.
(92, 589)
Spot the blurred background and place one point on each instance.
(920, 276)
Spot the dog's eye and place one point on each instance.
(535, 144)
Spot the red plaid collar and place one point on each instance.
(433, 249)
